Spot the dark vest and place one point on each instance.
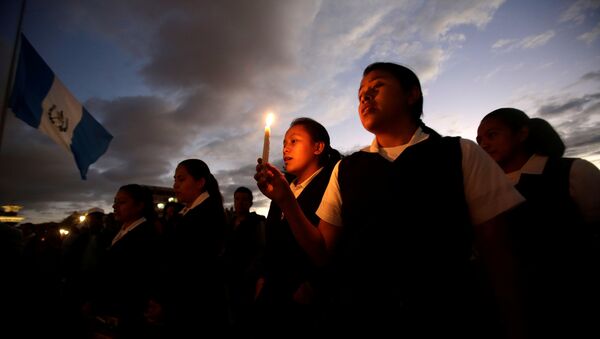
(286, 264)
(557, 255)
(556, 232)
(548, 193)
(404, 253)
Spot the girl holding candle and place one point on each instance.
(287, 292)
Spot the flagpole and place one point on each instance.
(11, 71)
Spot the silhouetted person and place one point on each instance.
(170, 216)
(129, 272)
(243, 246)
(197, 299)
(559, 244)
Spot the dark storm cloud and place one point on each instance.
(568, 106)
(224, 44)
(223, 62)
(591, 76)
(37, 171)
(146, 137)
(579, 140)
(580, 131)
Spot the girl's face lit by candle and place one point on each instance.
(300, 152)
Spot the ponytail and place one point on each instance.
(198, 169)
(542, 137)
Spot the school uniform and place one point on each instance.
(286, 266)
(403, 262)
(197, 299)
(130, 276)
(558, 245)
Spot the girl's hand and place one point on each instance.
(272, 183)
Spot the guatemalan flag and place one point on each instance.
(41, 100)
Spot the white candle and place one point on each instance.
(266, 143)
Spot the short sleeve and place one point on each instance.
(330, 209)
(487, 189)
(584, 188)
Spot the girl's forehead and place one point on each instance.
(296, 129)
(374, 75)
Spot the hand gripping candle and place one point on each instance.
(266, 144)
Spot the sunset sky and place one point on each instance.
(172, 80)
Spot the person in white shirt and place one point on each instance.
(558, 246)
(400, 220)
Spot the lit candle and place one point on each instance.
(266, 144)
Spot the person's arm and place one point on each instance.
(584, 185)
(494, 245)
(317, 242)
(495, 207)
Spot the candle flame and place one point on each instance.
(270, 117)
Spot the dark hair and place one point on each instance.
(143, 195)
(542, 138)
(244, 189)
(318, 133)
(407, 79)
(198, 169)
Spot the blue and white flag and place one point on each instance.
(41, 100)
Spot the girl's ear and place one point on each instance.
(523, 134)
(413, 95)
(200, 183)
(319, 147)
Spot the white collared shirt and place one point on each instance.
(200, 199)
(584, 183)
(487, 190)
(391, 153)
(124, 230)
(535, 165)
(298, 188)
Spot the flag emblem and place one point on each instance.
(41, 100)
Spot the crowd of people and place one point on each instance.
(417, 235)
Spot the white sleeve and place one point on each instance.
(487, 189)
(330, 209)
(584, 188)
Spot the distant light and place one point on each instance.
(11, 208)
(63, 232)
(81, 218)
(11, 219)
(160, 205)
(171, 199)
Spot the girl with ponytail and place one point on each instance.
(197, 292)
(288, 291)
(558, 245)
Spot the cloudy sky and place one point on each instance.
(172, 80)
